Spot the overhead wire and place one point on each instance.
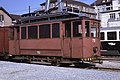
(22, 10)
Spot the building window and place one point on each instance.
(23, 33)
(118, 1)
(44, 31)
(111, 36)
(77, 29)
(112, 16)
(32, 32)
(56, 30)
(108, 8)
(119, 15)
(119, 8)
(1, 18)
(102, 36)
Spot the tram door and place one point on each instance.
(67, 43)
(17, 43)
(14, 41)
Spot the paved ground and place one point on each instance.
(109, 64)
(21, 71)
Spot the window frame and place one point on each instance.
(33, 37)
(25, 32)
(58, 34)
(45, 34)
(108, 38)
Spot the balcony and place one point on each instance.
(113, 19)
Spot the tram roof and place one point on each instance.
(110, 28)
(55, 17)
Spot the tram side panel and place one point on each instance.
(65, 46)
(29, 44)
(4, 41)
(91, 47)
(41, 47)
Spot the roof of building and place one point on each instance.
(15, 17)
(12, 16)
(100, 2)
(71, 2)
(1, 8)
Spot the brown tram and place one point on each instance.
(57, 38)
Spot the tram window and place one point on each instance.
(77, 29)
(87, 27)
(55, 30)
(68, 29)
(102, 36)
(93, 32)
(44, 31)
(11, 33)
(18, 30)
(32, 32)
(23, 33)
(111, 36)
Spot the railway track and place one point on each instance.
(107, 65)
(110, 58)
(88, 66)
(105, 69)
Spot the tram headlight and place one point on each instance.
(95, 49)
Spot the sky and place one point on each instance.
(22, 6)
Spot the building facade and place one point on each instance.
(7, 19)
(71, 6)
(108, 11)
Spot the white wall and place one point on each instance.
(104, 19)
(114, 23)
(7, 19)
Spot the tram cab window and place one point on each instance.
(11, 34)
(77, 29)
(44, 31)
(68, 29)
(56, 30)
(102, 36)
(23, 33)
(93, 32)
(32, 32)
(111, 35)
(87, 28)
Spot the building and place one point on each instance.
(7, 19)
(70, 6)
(108, 11)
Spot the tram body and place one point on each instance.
(66, 39)
(4, 41)
(110, 41)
